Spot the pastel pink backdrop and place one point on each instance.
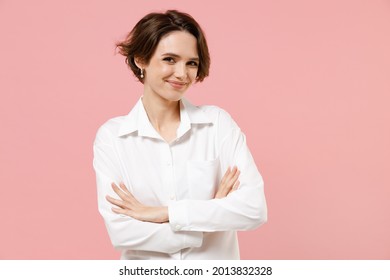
(307, 81)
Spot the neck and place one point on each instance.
(161, 112)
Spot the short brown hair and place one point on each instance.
(142, 41)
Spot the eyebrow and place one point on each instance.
(178, 56)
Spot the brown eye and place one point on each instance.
(169, 59)
(193, 63)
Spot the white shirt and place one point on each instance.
(183, 175)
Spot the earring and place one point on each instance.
(142, 73)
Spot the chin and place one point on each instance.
(173, 95)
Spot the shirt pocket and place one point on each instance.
(202, 178)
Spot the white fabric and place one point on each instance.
(183, 175)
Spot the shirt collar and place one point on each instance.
(137, 120)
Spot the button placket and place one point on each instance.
(170, 173)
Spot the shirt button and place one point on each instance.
(178, 227)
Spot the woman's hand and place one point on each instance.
(229, 182)
(133, 208)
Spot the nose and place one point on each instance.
(181, 71)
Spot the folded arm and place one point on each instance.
(242, 209)
(233, 208)
(126, 232)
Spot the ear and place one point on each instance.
(139, 62)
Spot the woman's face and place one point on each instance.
(173, 67)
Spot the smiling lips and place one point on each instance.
(176, 84)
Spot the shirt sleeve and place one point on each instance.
(126, 232)
(242, 209)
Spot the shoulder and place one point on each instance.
(109, 129)
(219, 116)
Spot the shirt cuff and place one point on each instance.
(178, 216)
(193, 239)
(178, 220)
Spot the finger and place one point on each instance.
(231, 174)
(130, 197)
(226, 175)
(234, 171)
(118, 210)
(236, 185)
(114, 201)
(124, 188)
(221, 193)
(117, 189)
(117, 202)
(130, 213)
(119, 192)
(234, 178)
(230, 187)
(122, 211)
(123, 193)
(228, 183)
(223, 190)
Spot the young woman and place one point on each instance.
(175, 181)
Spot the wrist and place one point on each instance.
(164, 217)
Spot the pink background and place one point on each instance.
(307, 81)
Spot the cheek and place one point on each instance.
(192, 74)
(159, 70)
(165, 70)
